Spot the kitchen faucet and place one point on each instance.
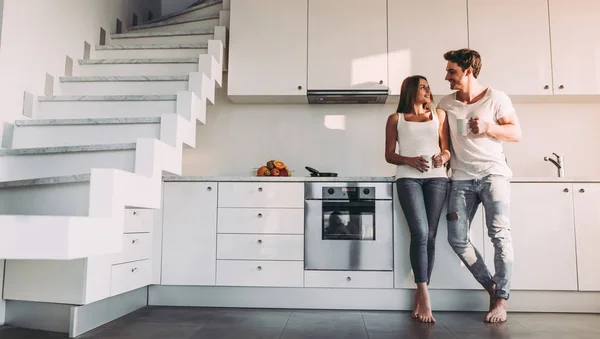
(558, 163)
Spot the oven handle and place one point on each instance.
(348, 203)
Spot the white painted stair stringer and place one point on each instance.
(112, 190)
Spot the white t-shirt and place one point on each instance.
(416, 139)
(475, 156)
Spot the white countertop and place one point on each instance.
(355, 179)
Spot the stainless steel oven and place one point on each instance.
(348, 226)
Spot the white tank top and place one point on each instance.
(415, 139)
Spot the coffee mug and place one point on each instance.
(462, 126)
(429, 159)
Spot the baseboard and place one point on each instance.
(88, 317)
(366, 299)
(73, 319)
(38, 316)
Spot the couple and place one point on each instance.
(428, 138)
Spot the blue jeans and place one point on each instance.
(422, 201)
(465, 196)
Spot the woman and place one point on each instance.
(422, 136)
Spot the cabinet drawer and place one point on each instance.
(135, 247)
(260, 273)
(130, 276)
(261, 220)
(261, 194)
(348, 279)
(138, 220)
(260, 247)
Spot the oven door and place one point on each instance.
(348, 235)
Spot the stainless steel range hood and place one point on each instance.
(350, 96)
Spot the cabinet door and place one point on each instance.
(513, 39)
(448, 270)
(347, 44)
(575, 46)
(267, 47)
(417, 43)
(587, 231)
(541, 219)
(189, 233)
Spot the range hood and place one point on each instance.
(348, 96)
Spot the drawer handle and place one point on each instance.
(133, 269)
(135, 213)
(259, 241)
(135, 241)
(209, 188)
(566, 190)
(348, 278)
(581, 190)
(259, 268)
(260, 189)
(259, 215)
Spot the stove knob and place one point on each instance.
(366, 191)
(330, 191)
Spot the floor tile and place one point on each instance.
(325, 324)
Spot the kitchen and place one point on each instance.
(262, 113)
(226, 237)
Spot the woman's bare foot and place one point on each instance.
(415, 313)
(498, 312)
(424, 306)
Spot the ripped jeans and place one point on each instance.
(465, 195)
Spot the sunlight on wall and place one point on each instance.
(335, 122)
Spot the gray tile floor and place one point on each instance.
(219, 323)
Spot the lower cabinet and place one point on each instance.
(543, 236)
(189, 235)
(348, 279)
(260, 273)
(84, 281)
(449, 272)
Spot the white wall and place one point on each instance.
(171, 6)
(239, 138)
(37, 35)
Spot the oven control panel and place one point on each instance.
(349, 193)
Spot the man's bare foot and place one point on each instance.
(498, 312)
(424, 307)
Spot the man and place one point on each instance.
(480, 173)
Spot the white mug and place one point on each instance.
(462, 126)
(429, 159)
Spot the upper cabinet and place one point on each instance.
(575, 46)
(417, 43)
(347, 44)
(513, 39)
(267, 48)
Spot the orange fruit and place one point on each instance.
(279, 164)
(262, 171)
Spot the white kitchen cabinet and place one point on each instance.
(260, 273)
(349, 279)
(513, 39)
(261, 194)
(84, 281)
(587, 231)
(189, 233)
(543, 234)
(267, 48)
(347, 44)
(417, 43)
(575, 46)
(261, 220)
(448, 271)
(260, 247)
